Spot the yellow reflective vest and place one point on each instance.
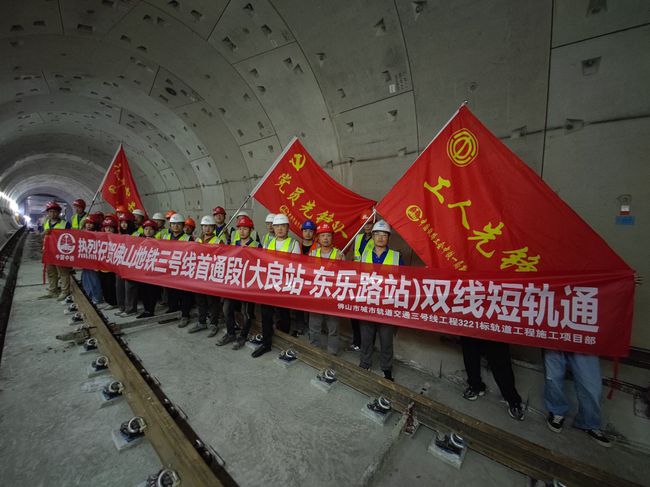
(357, 246)
(62, 225)
(333, 254)
(78, 221)
(286, 246)
(392, 257)
(183, 238)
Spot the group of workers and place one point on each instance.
(370, 245)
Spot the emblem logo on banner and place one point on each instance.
(462, 147)
(66, 244)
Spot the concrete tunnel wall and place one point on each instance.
(204, 94)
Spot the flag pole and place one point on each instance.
(259, 183)
(104, 179)
(372, 215)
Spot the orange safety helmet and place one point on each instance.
(245, 221)
(218, 210)
(324, 227)
(169, 214)
(190, 222)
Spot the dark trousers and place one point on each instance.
(179, 300)
(284, 322)
(247, 311)
(126, 293)
(356, 332)
(208, 304)
(498, 357)
(150, 295)
(107, 279)
(369, 330)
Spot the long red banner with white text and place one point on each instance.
(590, 314)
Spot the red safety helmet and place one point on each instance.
(190, 222)
(127, 216)
(52, 205)
(80, 203)
(244, 221)
(109, 222)
(366, 216)
(95, 218)
(121, 209)
(218, 210)
(150, 223)
(100, 216)
(324, 227)
(169, 214)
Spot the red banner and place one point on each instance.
(118, 187)
(469, 203)
(590, 314)
(298, 187)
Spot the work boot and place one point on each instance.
(239, 343)
(261, 350)
(62, 297)
(197, 327)
(184, 322)
(213, 330)
(224, 340)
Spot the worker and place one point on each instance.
(362, 241)
(126, 292)
(219, 214)
(149, 292)
(282, 242)
(269, 230)
(79, 206)
(109, 225)
(120, 210)
(189, 226)
(234, 233)
(89, 278)
(140, 216)
(244, 231)
(178, 299)
(301, 322)
(380, 253)
(160, 220)
(325, 250)
(56, 275)
(208, 304)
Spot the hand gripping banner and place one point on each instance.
(590, 313)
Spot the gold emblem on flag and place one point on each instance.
(414, 212)
(462, 147)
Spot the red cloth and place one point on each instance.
(118, 187)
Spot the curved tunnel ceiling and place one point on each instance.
(204, 93)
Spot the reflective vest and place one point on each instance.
(224, 233)
(357, 246)
(286, 245)
(267, 239)
(211, 240)
(62, 225)
(333, 254)
(235, 237)
(252, 243)
(77, 221)
(183, 238)
(161, 233)
(392, 257)
(138, 233)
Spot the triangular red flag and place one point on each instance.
(118, 187)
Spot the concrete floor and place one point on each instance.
(271, 426)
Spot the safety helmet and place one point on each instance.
(112, 217)
(245, 221)
(177, 218)
(158, 216)
(150, 223)
(270, 217)
(95, 218)
(109, 222)
(80, 203)
(218, 210)
(139, 212)
(127, 216)
(242, 213)
(190, 222)
(324, 227)
(208, 220)
(280, 219)
(381, 226)
(169, 214)
(366, 216)
(121, 209)
(52, 205)
(308, 225)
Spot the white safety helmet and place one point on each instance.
(208, 220)
(138, 212)
(280, 219)
(270, 217)
(381, 226)
(177, 218)
(158, 216)
(242, 213)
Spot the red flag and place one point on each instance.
(469, 203)
(298, 187)
(118, 187)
